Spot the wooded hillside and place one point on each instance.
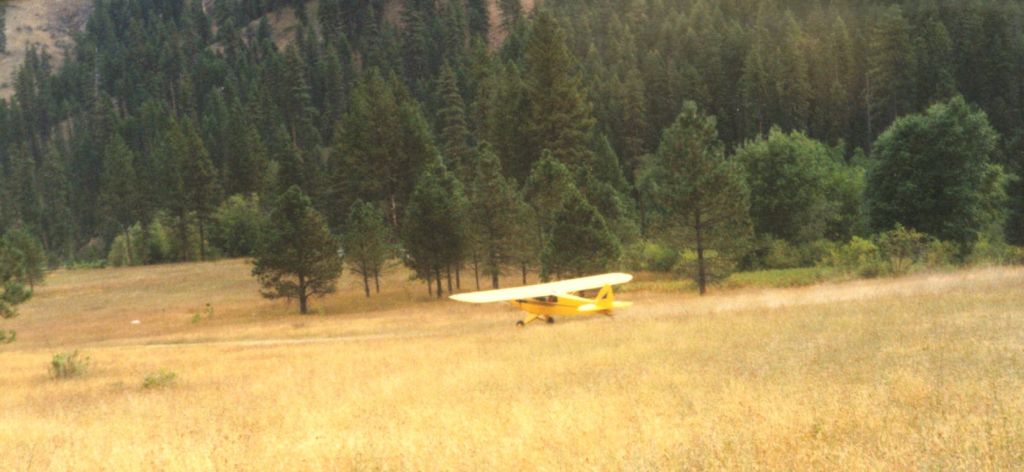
(163, 109)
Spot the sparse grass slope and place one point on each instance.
(920, 372)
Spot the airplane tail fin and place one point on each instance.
(604, 302)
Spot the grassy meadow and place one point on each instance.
(923, 372)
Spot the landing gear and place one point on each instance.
(550, 320)
(520, 324)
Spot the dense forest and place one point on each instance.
(573, 138)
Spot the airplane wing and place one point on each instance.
(542, 290)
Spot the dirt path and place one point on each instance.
(289, 341)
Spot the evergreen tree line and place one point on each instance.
(173, 131)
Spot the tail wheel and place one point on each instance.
(520, 324)
(551, 320)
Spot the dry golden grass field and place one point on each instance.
(922, 372)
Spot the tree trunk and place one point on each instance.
(202, 239)
(303, 296)
(366, 285)
(701, 272)
(376, 279)
(430, 286)
(127, 245)
(867, 104)
(437, 276)
(183, 234)
(394, 212)
(458, 277)
(476, 273)
(523, 266)
(494, 279)
(449, 275)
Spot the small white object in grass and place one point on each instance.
(135, 322)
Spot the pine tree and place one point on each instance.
(891, 65)
(299, 257)
(700, 195)
(334, 89)
(560, 114)
(383, 144)
(31, 257)
(367, 243)
(332, 21)
(492, 210)
(433, 232)
(511, 13)
(548, 188)
(3, 29)
(202, 188)
(452, 121)
(246, 156)
(631, 131)
(291, 168)
(57, 225)
(12, 292)
(479, 17)
(580, 242)
(297, 108)
(526, 241)
(794, 87)
(933, 48)
(23, 186)
(172, 151)
(118, 189)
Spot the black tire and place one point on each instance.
(520, 324)
(551, 320)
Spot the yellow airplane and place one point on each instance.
(544, 301)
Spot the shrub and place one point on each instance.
(717, 268)
(992, 251)
(237, 225)
(771, 253)
(7, 336)
(649, 256)
(158, 243)
(92, 254)
(776, 278)
(66, 365)
(859, 256)
(159, 379)
(658, 258)
(902, 247)
(814, 252)
(118, 255)
(939, 254)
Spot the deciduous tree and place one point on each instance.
(934, 172)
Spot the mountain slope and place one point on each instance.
(47, 24)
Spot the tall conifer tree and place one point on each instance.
(298, 258)
(119, 191)
(701, 198)
(560, 114)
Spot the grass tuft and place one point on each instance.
(159, 379)
(66, 365)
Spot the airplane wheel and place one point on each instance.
(551, 320)
(520, 324)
